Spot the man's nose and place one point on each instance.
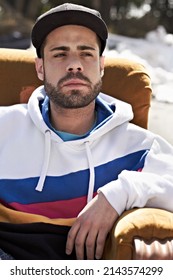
(74, 66)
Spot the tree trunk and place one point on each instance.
(19, 4)
(104, 7)
(32, 8)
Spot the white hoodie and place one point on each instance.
(42, 174)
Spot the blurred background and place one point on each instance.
(140, 30)
(134, 18)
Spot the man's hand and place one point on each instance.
(91, 228)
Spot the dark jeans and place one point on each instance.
(5, 256)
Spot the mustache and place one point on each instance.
(71, 75)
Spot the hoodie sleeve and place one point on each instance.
(152, 187)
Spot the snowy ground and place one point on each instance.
(156, 53)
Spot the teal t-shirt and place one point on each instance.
(102, 116)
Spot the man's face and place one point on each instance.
(71, 67)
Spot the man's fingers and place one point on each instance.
(91, 228)
(76, 238)
(71, 238)
(100, 243)
(80, 243)
(91, 244)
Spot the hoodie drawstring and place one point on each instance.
(44, 169)
(92, 173)
(42, 178)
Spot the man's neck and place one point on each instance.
(74, 121)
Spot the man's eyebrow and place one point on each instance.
(85, 47)
(65, 48)
(60, 48)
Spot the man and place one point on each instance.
(70, 158)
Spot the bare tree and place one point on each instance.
(28, 8)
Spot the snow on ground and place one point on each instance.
(155, 52)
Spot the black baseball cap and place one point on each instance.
(66, 14)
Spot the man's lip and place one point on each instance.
(74, 82)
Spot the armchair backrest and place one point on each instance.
(124, 79)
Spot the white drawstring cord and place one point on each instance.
(45, 162)
(92, 173)
(43, 174)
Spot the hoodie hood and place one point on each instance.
(111, 112)
(114, 113)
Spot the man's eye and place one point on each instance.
(59, 55)
(87, 54)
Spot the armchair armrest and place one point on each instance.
(139, 227)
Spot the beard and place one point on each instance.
(74, 98)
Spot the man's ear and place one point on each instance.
(102, 73)
(102, 63)
(39, 68)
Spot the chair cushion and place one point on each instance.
(17, 71)
(129, 81)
